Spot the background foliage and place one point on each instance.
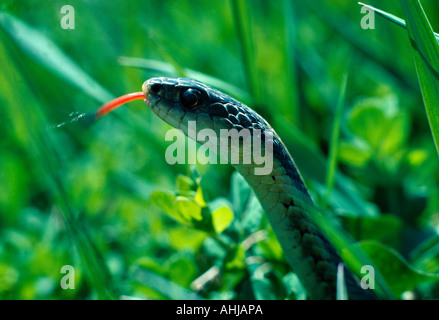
(104, 200)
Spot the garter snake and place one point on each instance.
(282, 193)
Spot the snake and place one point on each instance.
(282, 192)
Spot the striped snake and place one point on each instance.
(282, 193)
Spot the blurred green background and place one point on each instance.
(103, 199)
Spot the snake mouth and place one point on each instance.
(153, 98)
(146, 92)
(162, 97)
(148, 101)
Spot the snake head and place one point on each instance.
(206, 114)
(176, 100)
(180, 100)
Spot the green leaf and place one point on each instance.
(380, 122)
(355, 153)
(182, 238)
(399, 274)
(191, 188)
(365, 121)
(426, 55)
(181, 269)
(187, 209)
(180, 208)
(184, 183)
(235, 258)
(381, 125)
(165, 201)
(222, 218)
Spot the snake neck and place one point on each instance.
(287, 203)
(283, 186)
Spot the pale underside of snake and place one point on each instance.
(282, 193)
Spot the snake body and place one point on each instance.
(282, 193)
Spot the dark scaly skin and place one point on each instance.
(282, 193)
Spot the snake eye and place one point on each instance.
(155, 88)
(191, 98)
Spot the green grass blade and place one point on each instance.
(398, 21)
(426, 55)
(290, 29)
(334, 143)
(342, 291)
(241, 17)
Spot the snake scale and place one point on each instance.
(282, 193)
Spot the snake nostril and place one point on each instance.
(155, 88)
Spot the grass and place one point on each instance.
(334, 142)
(93, 197)
(426, 56)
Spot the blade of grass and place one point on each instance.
(426, 55)
(398, 21)
(243, 29)
(342, 292)
(290, 27)
(334, 143)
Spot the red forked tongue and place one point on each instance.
(115, 103)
